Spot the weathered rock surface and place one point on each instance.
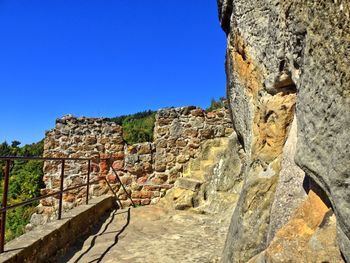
(310, 236)
(212, 182)
(290, 192)
(224, 180)
(283, 55)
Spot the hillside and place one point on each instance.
(26, 180)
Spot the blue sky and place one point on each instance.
(104, 58)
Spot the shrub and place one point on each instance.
(25, 183)
(216, 104)
(137, 127)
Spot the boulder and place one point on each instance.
(282, 56)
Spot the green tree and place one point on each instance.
(25, 183)
(216, 104)
(14, 144)
(137, 127)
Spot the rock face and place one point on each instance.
(148, 170)
(290, 192)
(309, 236)
(286, 59)
(212, 182)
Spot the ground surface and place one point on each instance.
(150, 235)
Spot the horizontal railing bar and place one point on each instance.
(43, 158)
(27, 202)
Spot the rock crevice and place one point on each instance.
(288, 89)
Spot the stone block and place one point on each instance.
(160, 166)
(145, 158)
(132, 149)
(126, 180)
(136, 194)
(228, 131)
(156, 194)
(142, 180)
(161, 131)
(145, 201)
(147, 167)
(137, 169)
(197, 112)
(151, 188)
(112, 178)
(181, 142)
(146, 194)
(118, 156)
(118, 165)
(68, 197)
(47, 202)
(206, 134)
(117, 147)
(164, 122)
(144, 148)
(191, 132)
(182, 158)
(135, 187)
(162, 143)
(132, 159)
(137, 201)
(104, 168)
(126, 203)
(188, 184)
(156, 181)
(166, 186)
(211, 115)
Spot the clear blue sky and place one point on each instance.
(104, 58)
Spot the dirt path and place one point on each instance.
(150, 235)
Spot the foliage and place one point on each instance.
(25, 183)
(216, 104)
(137, 127)
(16, 221)
(26, 180)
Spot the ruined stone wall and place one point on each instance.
(77, 138)
(148, 169)
(288, 90)
(179, 133)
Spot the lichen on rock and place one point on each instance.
(285, 62)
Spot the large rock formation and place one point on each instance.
(285, 59)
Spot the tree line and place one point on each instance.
(25, 183)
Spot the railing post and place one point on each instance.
(4, 205)
(61, 191)
(88, 183)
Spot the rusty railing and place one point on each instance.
(5, 207)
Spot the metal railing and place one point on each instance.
(5, 207)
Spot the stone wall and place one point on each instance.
(148, 169)
(45, 243)
(180, 132)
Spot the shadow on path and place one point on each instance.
(116, 239)
(79, 245)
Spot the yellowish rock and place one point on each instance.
(310, 236)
